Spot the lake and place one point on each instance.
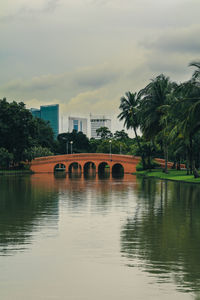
(91, 238)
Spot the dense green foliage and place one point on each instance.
(38, 151)
(5, 158)
(167, 115)
(77, 142)
(104, 133)
(152, 165)
(20, 132)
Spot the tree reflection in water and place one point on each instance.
(163, 237)
(24, 207)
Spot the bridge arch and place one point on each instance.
(117, 170)
(103, 166)
(104, 170)
(74, 166)
(59, 167)
(89, 165)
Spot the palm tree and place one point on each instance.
(155, 102)
(188, 105)
(129, 107)
(193, 94)
(196, 73)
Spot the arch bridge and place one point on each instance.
(97, 161)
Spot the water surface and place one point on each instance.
(92, 238)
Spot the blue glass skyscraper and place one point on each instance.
(48, 113)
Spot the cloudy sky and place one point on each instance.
(85, 54)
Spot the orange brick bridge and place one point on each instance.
(98, 161)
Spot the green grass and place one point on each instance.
(172, 175)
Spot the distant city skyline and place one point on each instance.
(67, 123)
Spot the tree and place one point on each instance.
(37, 151)
(44, 134)
(5, 158)
(129, 107)
(157, 97)
(79, 139)
(188, 125)
(114, 146)
(104, 133)
(17, 129)
(121, 135)
(20, 131)
(196, 74)
(93, 145)
(148, 150)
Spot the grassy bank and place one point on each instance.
(15, 172)
(172, 175)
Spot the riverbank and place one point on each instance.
(15, 172)
(174, 175)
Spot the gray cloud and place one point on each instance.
(95, 78)
(98, 2)
(51, 6)
(64, 85)
(181, 40)
(88, 53)
(25, 11)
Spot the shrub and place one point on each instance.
(5, 158)
(153, 165)
(139, 166)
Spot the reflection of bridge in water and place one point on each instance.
(82, 163)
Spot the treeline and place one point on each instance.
(168, 117)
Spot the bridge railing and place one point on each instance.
(80, 156)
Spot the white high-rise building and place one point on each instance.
(78, 124)
(98, 121)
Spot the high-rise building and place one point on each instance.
(98, 121)
(48, 113)
(78, 124)
(35, 112)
